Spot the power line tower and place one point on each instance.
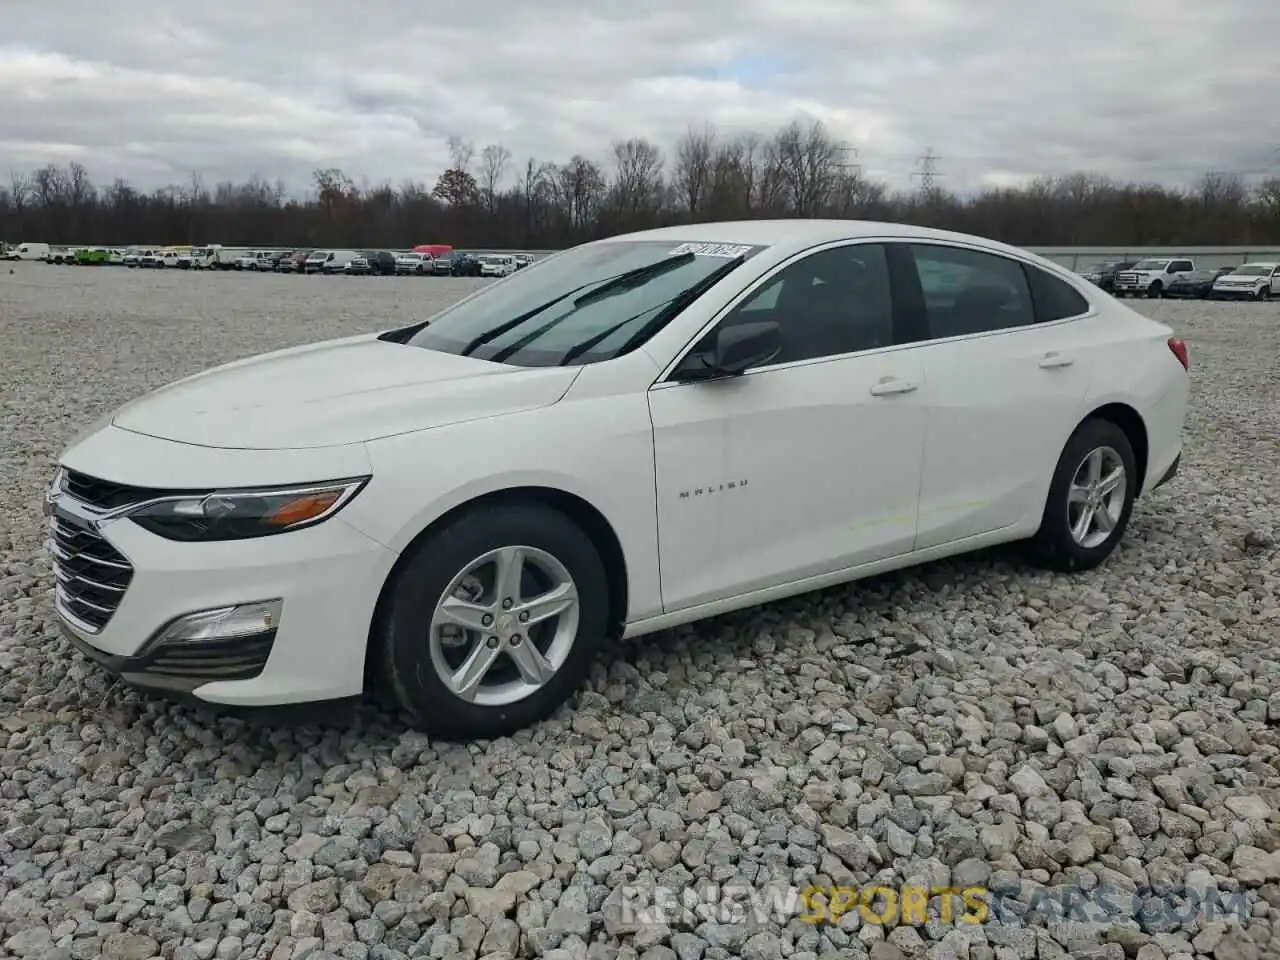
(927, 173)
(847, 159)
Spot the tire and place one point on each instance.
(412, 667)
(1264, 293)
(1155, 291)
(1055, 546)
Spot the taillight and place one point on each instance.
(1179, 348)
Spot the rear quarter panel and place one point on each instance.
(1132, 364)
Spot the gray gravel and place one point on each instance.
(1117, 731)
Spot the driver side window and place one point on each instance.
(830, 303)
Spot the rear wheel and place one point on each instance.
(1090, 499)
(493, 621)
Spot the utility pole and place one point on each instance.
(846, 159)
(847, 171)
(927, 173)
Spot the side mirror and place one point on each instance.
(734, 351)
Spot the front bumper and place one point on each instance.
(182, 667)
(1170, 473)
(1238, 293)
(328, 578)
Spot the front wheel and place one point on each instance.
(1155, 291)
(1264, 293)
(1090, 499)
(493, 622)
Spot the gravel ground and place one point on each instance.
(1052, 738)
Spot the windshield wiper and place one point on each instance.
(609, 286)
(621, 281)
(678, 303)
(493, 334)
(633, 278)
(671, 309)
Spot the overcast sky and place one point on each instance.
(1001, 89)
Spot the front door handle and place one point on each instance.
(891, 385)
(1052, 360)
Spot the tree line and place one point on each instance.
(487, 199)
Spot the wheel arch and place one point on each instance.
(576, 509)
(1135, 428)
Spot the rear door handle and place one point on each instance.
(1052, 359)
(891, 385)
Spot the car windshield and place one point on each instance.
(1104, 266)
(1151, 264)
(549, 310)
(1251, 270)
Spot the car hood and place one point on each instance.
(337, 392)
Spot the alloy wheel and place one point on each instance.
(504, 626)
(1096, 497)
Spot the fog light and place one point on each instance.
(224, 623)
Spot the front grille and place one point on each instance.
(91, 574)
(109, 495)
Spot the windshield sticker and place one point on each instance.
(727, 250)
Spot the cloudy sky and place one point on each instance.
(1000, 89)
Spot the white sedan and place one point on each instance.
(630, 435)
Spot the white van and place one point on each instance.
(30, 251)
(329, 261)
(338, 260)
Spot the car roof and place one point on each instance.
(1258, 263)
(793, 235)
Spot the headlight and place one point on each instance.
(241, 514)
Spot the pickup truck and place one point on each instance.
(1150, 277)
(92, 256)
(1103, 275)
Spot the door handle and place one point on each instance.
(891, 385)
(1053, 359)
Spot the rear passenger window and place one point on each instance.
(1054, 299)
(968, 291)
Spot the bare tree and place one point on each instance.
(691, 177)
(461, 153)
(637, 183)
(79, 187)
(50, 185)
(580, 188)
(19, 190)
(493, 166)
(808, 160)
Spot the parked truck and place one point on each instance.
(1150, 277)
(29, 251)
(92, 256)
